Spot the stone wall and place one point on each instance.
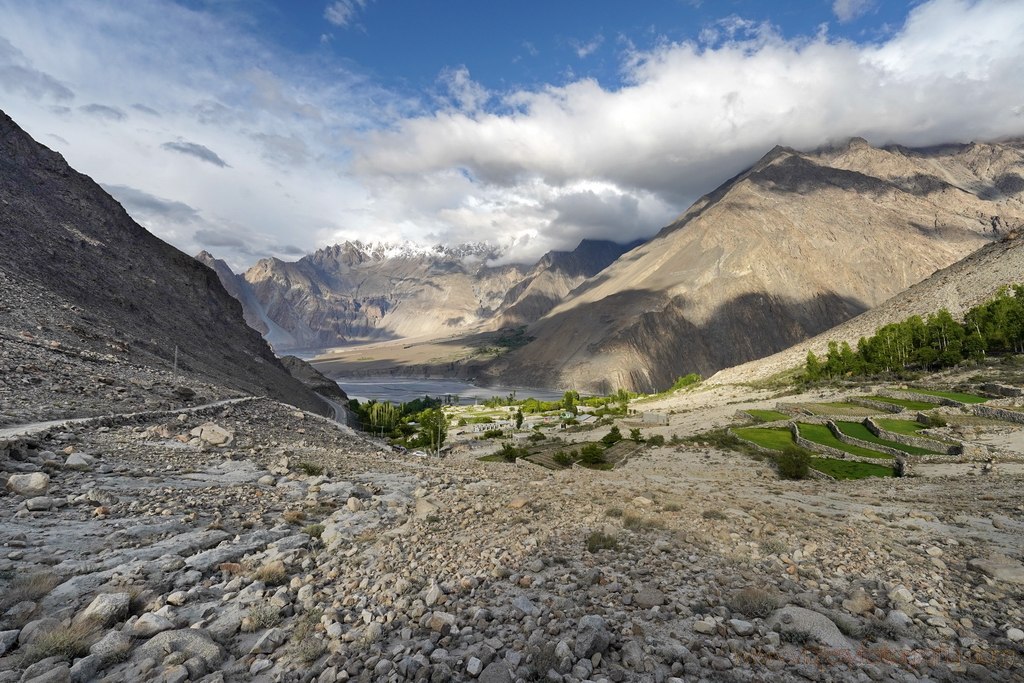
(1002, 390)
(834, 452)
(996, 413)
(921, 398)
(875, 405)
(916, 441)
(845, 438)
(815, 474)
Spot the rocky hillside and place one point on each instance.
(81, 275)
(793, 246)
(355, 292)
(958, 288)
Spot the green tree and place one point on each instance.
(592, 454)
(813, 368)
(634, 435)
(433, 428)
(569, 400)
(612, 437)
(519, 419)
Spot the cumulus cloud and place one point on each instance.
(201, 152)
(321, 154)
(848, 10)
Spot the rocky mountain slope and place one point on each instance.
(793, 246)
(81, 277)
(957, 288)
(355, 292)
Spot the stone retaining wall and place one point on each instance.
(916, 441)
(997, 413)
(853, 441)
(921, 398)
(1002, 390)
(815, 474)
(876, 405)
(835, 452)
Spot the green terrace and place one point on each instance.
(859, 431)
(847, 469)
(902, 402)
(820, 434)
(767, 415)
(952, 395)
(838, 408)
(775, 438)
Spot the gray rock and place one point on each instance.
(150, 624)
(523, 604)
(496, 672)
(793, 619)
(269, 641)
(592, 637)
(39, 503)
(742, 628)
(192, 642)
(111, 646)
(33, 484)
(106, 609)
(32, 631)
(85, 669)
(7, 640)
(649, 597)
(79, 461)
(59, 673)
(1000, 568)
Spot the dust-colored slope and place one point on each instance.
(121, 289)
(958, 288)
(794, 246)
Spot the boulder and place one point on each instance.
(191, 642)
(106, 609)
(793, 619)
(29, 485)
(999, 567)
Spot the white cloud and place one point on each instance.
(343, 12)
(319, 154)
(848, 10)
(584, 50)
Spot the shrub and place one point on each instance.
(262, 615)
(713, 514)
(936, 421)
(592, 454)
(272, 574)
(753, 602)
(637, 522)
(773, 546)
(598, 540)
(612, 437)
(656, 440)
(29, 587)
(613, 512)
(293, 516)
(634, 435)
(315, 530)
(794, 463)
(310, 469)
(68, 642)
(510, 453)
(493, 434)
(565, 459)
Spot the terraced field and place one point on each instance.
(846, 469)
(953, 395)
(821, 435)
(767, 415)
(839, 409)
(902, 402)
(859, 431)
(775, 438)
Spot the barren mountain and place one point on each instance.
(355, 292)
(793, 246)
(78, 271)
(958, 288)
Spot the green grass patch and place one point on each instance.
(902, 402)
(776, 438)
(953, 395)
(859, 431)
(846, 469)
(821, 435)
(767, 415)
(907, 427)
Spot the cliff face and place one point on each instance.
(793, 246)
(64, 235)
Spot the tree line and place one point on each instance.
(930, 343)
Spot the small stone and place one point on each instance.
(742, 628)
(517, 503)
(39, 503)
(705, 627)
(474, 666)
(648, 597)
(1015, 635)
(354, 504)
(177, 598)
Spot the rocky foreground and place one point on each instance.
(250, 541)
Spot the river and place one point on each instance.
(404, 389)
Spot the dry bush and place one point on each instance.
(754, 602)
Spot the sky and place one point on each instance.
(256, 128)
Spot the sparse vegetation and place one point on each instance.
(29, 587)
(613, 512)
(754, 602)
(314, 530)
(262, 615)
(598, 540)
(68, 642)
(641, 522)
(310, 469)
(793, 463)
(272, 574)
(294, 516)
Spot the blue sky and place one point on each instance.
(254, 128)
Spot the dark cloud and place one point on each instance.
(214, 238)
(145, 110)
(18, 76)
(196, 150)
(144, 205)
(104, 112)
